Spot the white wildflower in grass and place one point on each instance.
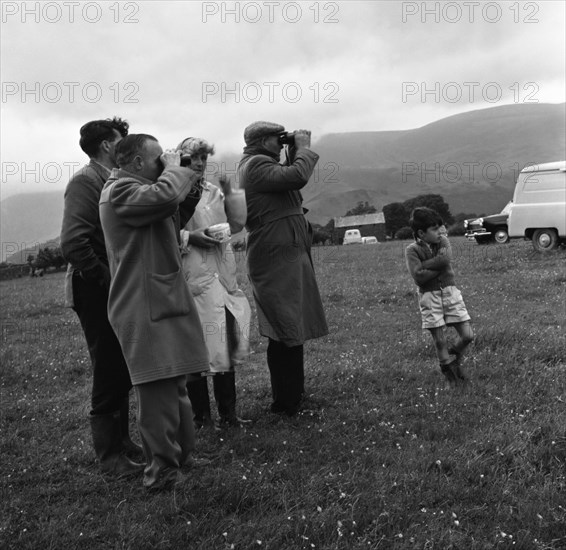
(339, 528)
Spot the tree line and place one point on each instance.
(49, 256)
(397, 216)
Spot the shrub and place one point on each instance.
(456, 229)
(404, 233)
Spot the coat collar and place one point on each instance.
(100, 169)
(118, 173)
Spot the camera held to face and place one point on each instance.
(286, 138)
(185, 160)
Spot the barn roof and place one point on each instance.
(365, 219)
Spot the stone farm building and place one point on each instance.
(370, 225)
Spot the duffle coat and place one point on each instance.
(280, 266)
(211, 276)
(150, 307)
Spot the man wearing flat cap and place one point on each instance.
(280, 266)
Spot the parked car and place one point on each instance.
(492, 228)
(369, 240)
(352, 236)
(539, 206)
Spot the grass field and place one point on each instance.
(383, 457)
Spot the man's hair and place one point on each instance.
(423, 218)
(93, 133)
(130, 147)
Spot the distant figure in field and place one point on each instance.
(429, 263)
(280, 265)
(86, 291)
(150, 307)
(210, 271)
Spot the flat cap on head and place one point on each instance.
(260, 129)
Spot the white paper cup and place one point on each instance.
(220, 231)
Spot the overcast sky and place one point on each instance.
(208, 69)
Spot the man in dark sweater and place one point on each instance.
(429, 263)
(86, 291)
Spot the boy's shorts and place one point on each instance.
(442, 307)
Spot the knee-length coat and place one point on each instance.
(279, 259)
(150, 307)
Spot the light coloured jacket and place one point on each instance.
(211, 276)
(150, 307)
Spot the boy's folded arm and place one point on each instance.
(418, 270)
(438, 262)
(423, 275)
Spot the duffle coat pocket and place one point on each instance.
(164, 298)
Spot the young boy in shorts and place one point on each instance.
(441, 304)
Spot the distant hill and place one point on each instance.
(28, 220)
(471, 159)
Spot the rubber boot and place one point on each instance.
(128, 446)
(198, 394)
(286, 370)
(225, 396)
(106, 437)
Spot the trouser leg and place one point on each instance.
(165, 420)
(106, 438)
(197, 390)
(186, 434)
(110, 377)
(286, 368)
(126, 441)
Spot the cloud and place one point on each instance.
(188, 68)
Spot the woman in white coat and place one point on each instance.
(210, 271)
